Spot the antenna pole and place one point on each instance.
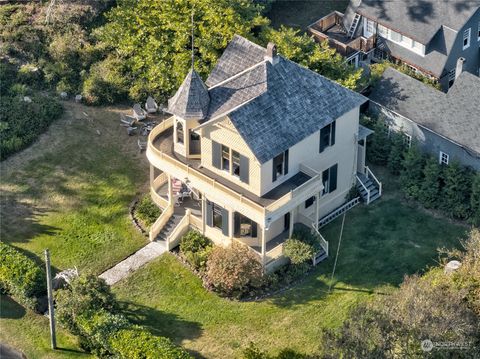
(338, 250)
(193, 51)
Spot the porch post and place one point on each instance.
(204, 213)
(317, 204)
(230, 223)
(364, 154)
(264, 247)
(170, 190)
(290, 226)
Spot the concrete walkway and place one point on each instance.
(135, 261)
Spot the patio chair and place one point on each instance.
(126, 120)
(142, 145)
(186, 194)
(131, 130)
(151, 106)
(177, 200)
(138, 112)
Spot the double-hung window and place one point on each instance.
(280, 165)
(180, 132)
(327, 136)
(407, 140)
(309, 202)
(444, 158)
(231, 161)
(329, 179)
(466, 38)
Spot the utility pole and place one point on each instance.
(51, 314)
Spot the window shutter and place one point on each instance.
(333, 133)
(236, 224)
(225, 222)
(285, 162)
(333, 178)
(244, 170)
(209, 214)
(216, 155)
(254, 229)
(274, 171)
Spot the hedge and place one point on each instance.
(21, 277)
(106, 334)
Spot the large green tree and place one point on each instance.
(475, 200)
(153, 38)
(430, 188)
(456, 191)
(411, 175)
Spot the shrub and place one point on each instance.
(379, 145)
(456, 191)
(134, 342)
(95, 329)
(352, 193)
(475, 200)
(21, 277)
(195, 248)
(395, 157)
(147, 211)
(305, 235)
(232, 270)
(430, 187)
(86, 293)
(297, 251)
(411, 175)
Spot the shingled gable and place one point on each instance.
(454, 115)
(191, 101)
(273, 107)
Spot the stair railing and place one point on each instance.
(177, 232)
(156, 228)
(366, 189)
(370, 174)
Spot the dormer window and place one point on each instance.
(466, 38)
(179, 132)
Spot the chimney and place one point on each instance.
(271, 54)
(459, 68)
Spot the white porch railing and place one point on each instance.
(178, 231)
(160, 222)
(365, 187)
(370, 174)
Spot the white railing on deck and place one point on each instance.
(370, 174)
(274, 253)
(156, 228)
(156, 185)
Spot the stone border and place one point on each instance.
(136, 222)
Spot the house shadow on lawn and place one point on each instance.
(10, 309)
(171, 326)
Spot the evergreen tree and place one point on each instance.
(430, 188)
(379, 144)
(456, 192)
(475, 200)
(411, 175)
(395, 157)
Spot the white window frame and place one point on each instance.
(467, 34)
(370, 26)
(443, 158)
(451, 77)
(407, 140)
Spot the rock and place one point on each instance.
(27, 99)
(63, 95)
(452, 266)
(78, 98)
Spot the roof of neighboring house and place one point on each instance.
(436, 56)
(191, 99)
(454, 115)
(418, 19)
(273, 107)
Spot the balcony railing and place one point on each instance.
(175, 167)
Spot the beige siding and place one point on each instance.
(226, 134)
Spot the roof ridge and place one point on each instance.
(233, 77)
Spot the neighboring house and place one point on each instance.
(262, 145)
(429, 36)
(445, 124)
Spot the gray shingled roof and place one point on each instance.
(274, 107)
(191, 100)
(455, 115)
(239, 55)
(419, 20)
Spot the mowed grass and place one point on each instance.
(70, 192)
(29, 332)
(380, 244)
(299, 14)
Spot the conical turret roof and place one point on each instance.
(192, 99)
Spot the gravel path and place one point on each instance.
(132, 263)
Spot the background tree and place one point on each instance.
(411, 175)
(395, 157)
(456, 191)
(379, 145)
(430, 188)
(475, 200)
(153, 38)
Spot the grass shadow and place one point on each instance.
(10, 309)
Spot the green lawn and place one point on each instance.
(300, 14)
(380, 244)
(70, 192)
(29, 332)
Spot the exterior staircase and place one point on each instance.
(369, 189)
(353, 26)
(169, 227)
